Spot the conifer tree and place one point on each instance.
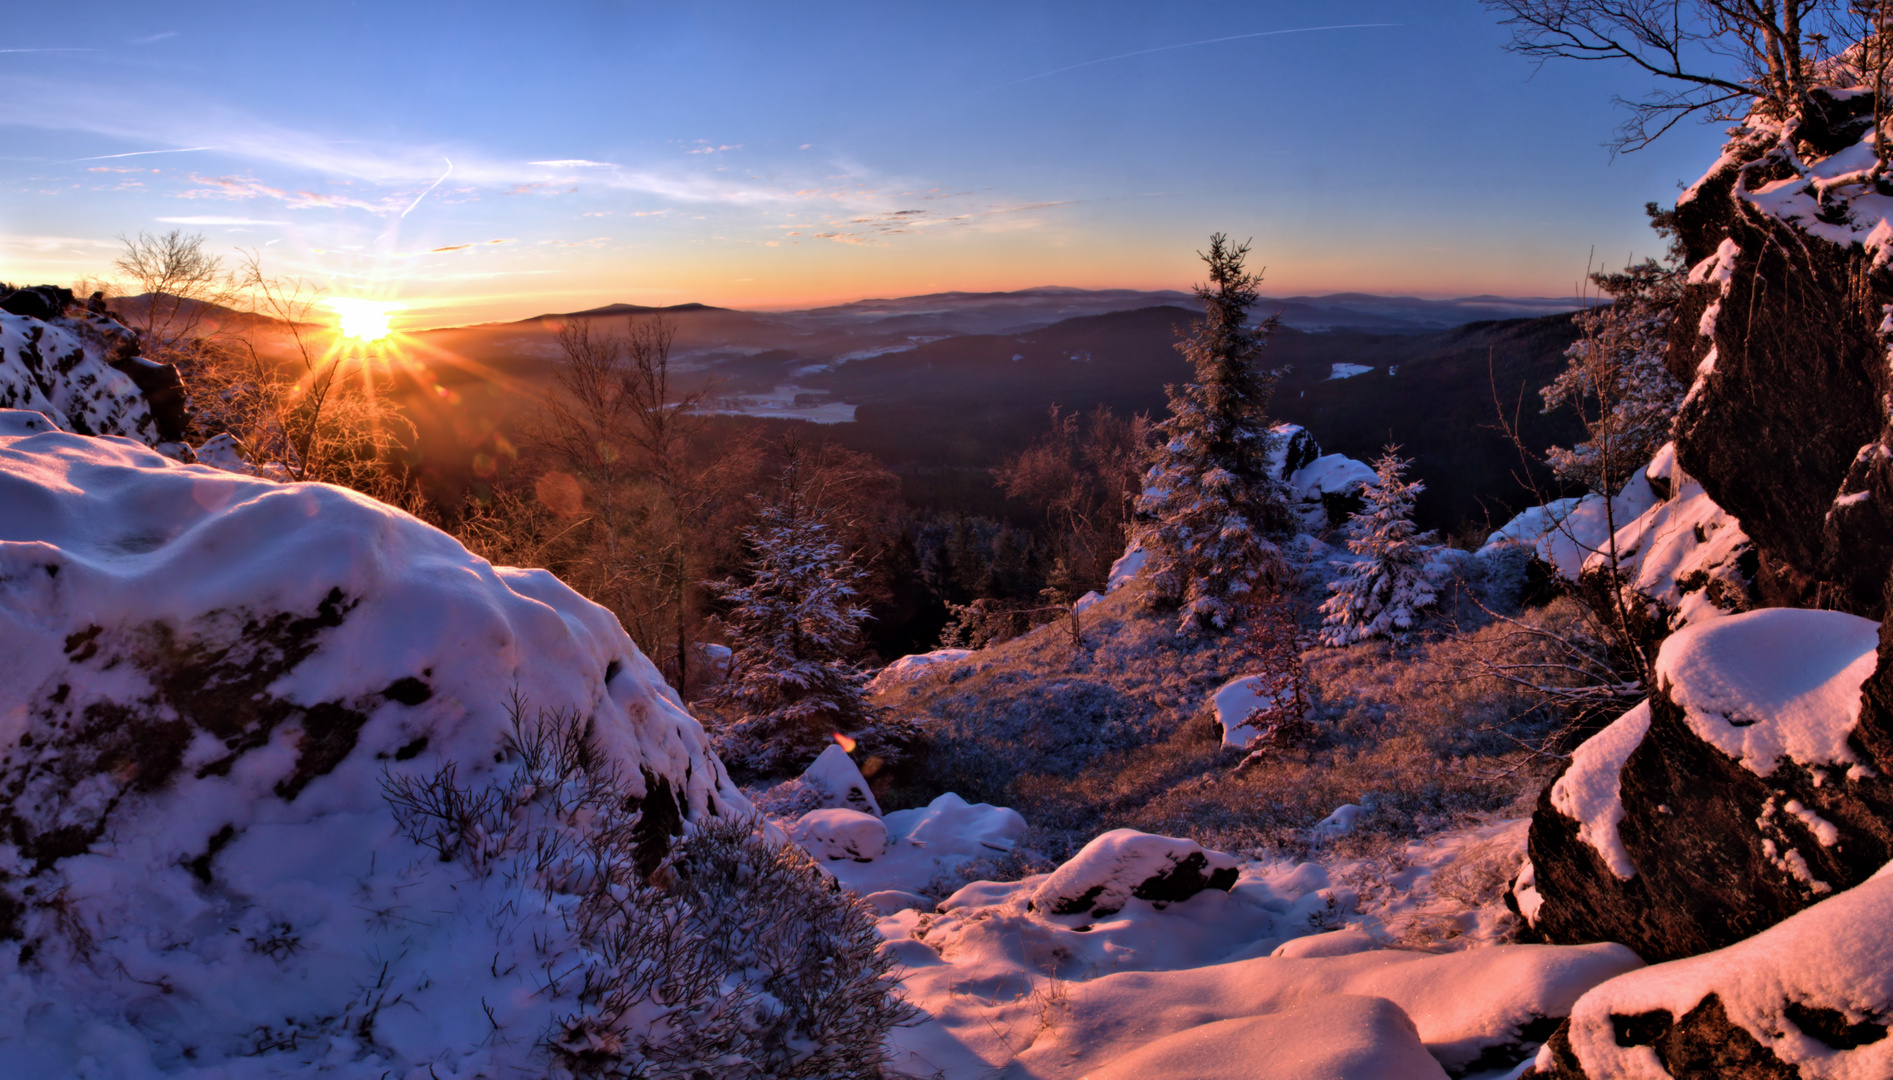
(793, 628)
(1393, 580)
(1211, 503)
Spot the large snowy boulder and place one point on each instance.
(1752, 784)
(1124, 863)
(210, 683)
(1808, 997)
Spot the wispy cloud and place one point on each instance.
(573, 163)
(153, 39)
(214, 219)
(47, 50)
(140, 153)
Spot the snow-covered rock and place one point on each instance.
(930, 845)
(913, 666)
(841, 834)
(1233, 703)
(1589, 791)
(62, 369)
(1807, 997)
(1334, 1037)
(839, 783)
(1085, 602)
(225, 452)
(1746, 788)
(1331, 475)
(1339, 823)
(208, 680)
(1124, 863)
(1568, 533)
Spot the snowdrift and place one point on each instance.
(209, 681)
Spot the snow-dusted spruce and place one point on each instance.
(792, 627)
(1393, 579)
(1211, 502)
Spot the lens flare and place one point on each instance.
(844, 742)
(363, 319)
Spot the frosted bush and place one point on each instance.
(721, 953)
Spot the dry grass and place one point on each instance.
(1118, 734)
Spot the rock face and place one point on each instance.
(1783, 341)
(1751, 785)
(1124, 863)
(211, 686)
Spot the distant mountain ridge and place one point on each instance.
(1022, 310)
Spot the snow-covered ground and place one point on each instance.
(1394, 965)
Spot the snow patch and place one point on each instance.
(913, 666)
(1589, 791)
(1125, 569)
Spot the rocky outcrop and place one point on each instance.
(1783, 340)
(1752, 784)
(80, 368)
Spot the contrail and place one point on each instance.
(46, 50)
(142, 153)
(1191, 45)
(430, 187)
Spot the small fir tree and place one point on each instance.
(1211, 503)
(1392, 581)
(793, 627)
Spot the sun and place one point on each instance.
(363, 319)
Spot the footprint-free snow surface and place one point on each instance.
(209, 679)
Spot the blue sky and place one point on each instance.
(768, 154)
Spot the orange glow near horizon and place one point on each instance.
(365, 320)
